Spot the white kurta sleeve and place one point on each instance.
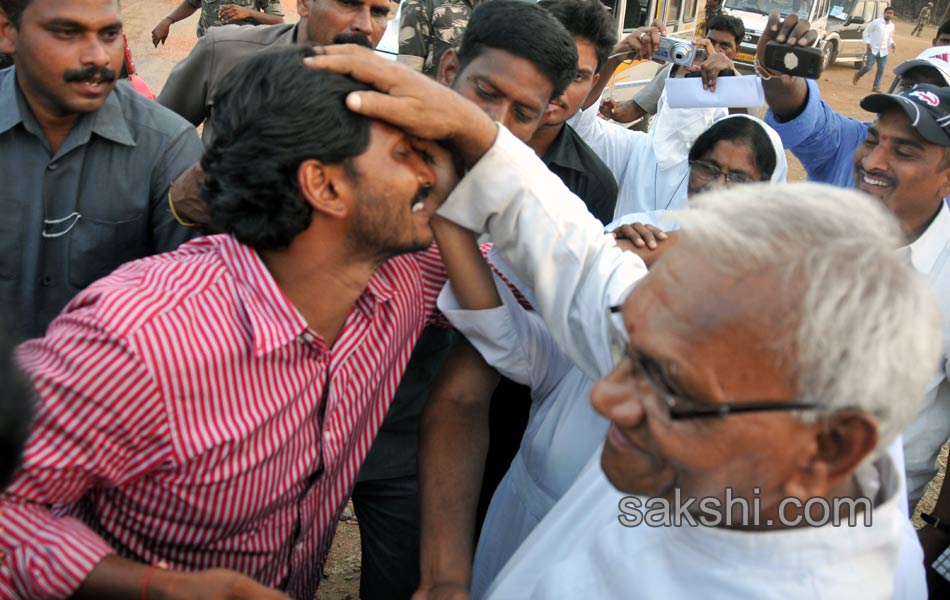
(510, 338)
(553, 244)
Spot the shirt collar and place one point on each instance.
(927, 248)
(274, 321)
(563, 151)
(108, 122)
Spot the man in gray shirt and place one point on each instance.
(192, 84)
(85, 162)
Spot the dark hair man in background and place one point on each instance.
(85, 163)
(194, 81)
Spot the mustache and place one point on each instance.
(353, 38)
(106, 74)
(876, 175)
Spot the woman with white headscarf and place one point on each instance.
(563, 430)
(733, 150)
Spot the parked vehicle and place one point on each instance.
(844, 40)
(755, 14)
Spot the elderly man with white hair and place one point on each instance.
(758, 361)
(734, 375)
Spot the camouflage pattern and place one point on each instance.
(211, 17)
(428, 28)
(702, 28)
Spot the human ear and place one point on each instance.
(326, 188)
(303, 8)
(842, 441)
(8, 34)
(448, 67)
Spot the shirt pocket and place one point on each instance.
(97, 247)
(13, 216)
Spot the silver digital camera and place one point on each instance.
(678, 52)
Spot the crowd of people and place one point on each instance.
(547, 356)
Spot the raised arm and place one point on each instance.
(785, 95)
(472, 281)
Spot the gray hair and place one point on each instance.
(867, 331)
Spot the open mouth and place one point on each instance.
(867, 180)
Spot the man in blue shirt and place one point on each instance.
(823, 140)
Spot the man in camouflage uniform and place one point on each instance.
(713, 8)
(922, 19)
(221, 12)
(427, 28)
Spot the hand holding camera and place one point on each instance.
(641, 43)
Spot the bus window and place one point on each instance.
(633, 18)
(673, 12)
(689, 11)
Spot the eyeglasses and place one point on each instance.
(673, 406)
(706, 171)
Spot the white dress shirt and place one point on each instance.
(576, 272)
(880, 36)
(930, 256)
(581, 551)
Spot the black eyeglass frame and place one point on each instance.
(697, 410)
(745, 178)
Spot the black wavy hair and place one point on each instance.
(14, 10)
(271, 114)
(524, 29)
(738, 129)
(728, 24)
(586, 19)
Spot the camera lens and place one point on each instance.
(679, 53)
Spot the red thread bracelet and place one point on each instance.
(148, 577)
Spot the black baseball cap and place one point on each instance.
(927, 106)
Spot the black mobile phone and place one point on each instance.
(793, 60)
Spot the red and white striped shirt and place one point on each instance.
(188, 414)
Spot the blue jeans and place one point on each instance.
(869, 60)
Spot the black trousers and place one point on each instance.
(388, 515)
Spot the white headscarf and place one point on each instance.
(679, 173)
(781, 163)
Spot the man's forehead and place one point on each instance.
(510, 73)
(92, 13)
(717, 35)
(896, 123)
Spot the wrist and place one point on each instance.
(170, 20)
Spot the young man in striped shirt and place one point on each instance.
(206, 411)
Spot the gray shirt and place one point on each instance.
(193, 82)
(101, 200)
